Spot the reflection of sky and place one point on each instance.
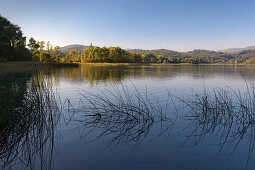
(163, 152)
(157, 79)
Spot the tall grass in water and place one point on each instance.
(123, 116)
(227, 113)
(27, 133)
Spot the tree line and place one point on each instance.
(39, 53)
(117, 55)
(13, 47)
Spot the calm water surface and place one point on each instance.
(74, 137)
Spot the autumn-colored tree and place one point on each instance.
(41, 46)
(56, 53)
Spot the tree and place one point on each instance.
(41, 46)
(33, 48)
(45, 57)
(12, 42)
(103, 54)
(115, 54)
(136, 57)
(48, 47)
(72, 53)
(149, 58)
(91, 52)
(56, 53)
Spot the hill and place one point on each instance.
(163, 52)
(66, 49)
(206, 55)
(237, 50)
(73, 47)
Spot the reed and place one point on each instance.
(226, 113)
(123, 117)
(27, 134)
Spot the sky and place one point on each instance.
(180, 25)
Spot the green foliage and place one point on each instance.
(13, 48)
(12, 42)
(45, 57)
(52, 54)
(33, 46)
(102, 54)
(95, 54)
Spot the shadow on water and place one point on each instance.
(29, 113)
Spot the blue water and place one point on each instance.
(77, 146)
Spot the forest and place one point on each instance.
(14, 47)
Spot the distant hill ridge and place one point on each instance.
(66, 49)
(236, 50)
(73, 47)
(167, 53)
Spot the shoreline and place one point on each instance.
(30, 64)
(155, 64)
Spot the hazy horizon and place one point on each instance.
(173, 25)
(159, 48)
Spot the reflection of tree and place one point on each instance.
(95, 74)
(12, 89)
(29, 114)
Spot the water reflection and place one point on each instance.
(113, 74)
(121, 115)
(94, 74)
(29, 115)
(227, 114)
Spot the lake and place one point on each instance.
(128, 117)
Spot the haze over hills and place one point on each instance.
(233, 55)
(73, 47)
(236, 50)
(222, 55)
(68, 48)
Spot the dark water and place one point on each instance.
(49, 118)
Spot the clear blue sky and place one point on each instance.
(180, 25)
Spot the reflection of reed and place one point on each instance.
(122, 117)
(27, 132)
(226, 113)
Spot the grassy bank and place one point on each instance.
(18, 64)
